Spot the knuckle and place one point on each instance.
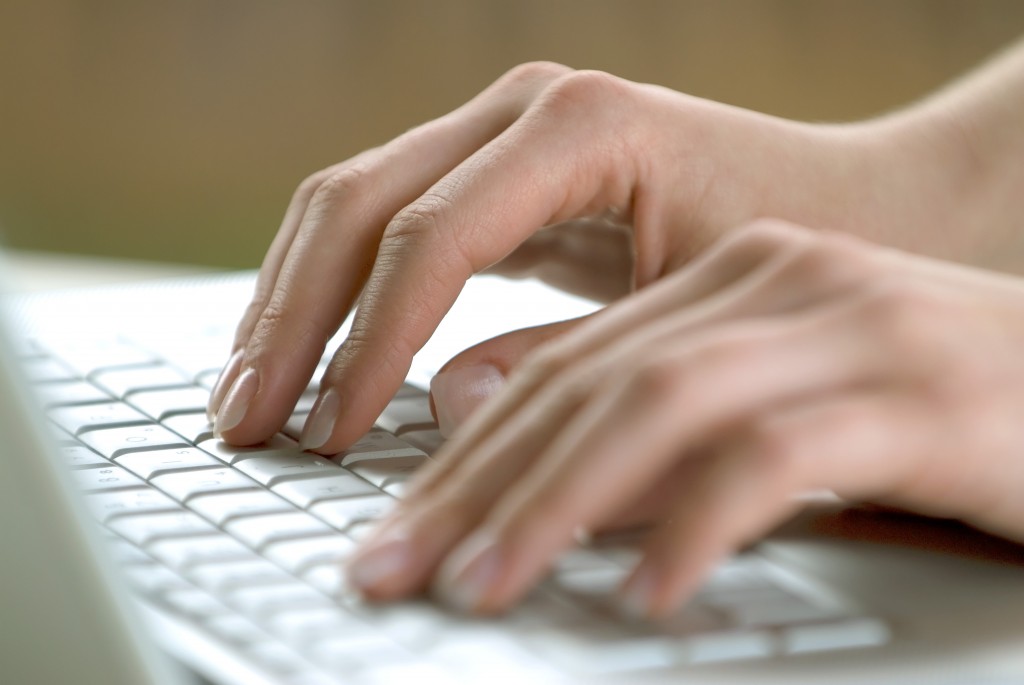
(832, 259)
(657, 379)
(530, 73)
(349, 181)
(904, 312)
(763, 236)
(582, 90)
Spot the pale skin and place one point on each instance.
(742, 362)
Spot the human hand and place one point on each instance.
(782, 361)
(400, 228)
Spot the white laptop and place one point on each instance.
(138, 549)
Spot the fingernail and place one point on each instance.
(457, 393)
(320, 424)
(381, 561)
(224, 380)
(470, 572)
(636, 596)
(236, 402)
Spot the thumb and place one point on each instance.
(475, 374)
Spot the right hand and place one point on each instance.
(400, 228)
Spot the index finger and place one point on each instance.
(564, 158)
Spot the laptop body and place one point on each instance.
(950, 601)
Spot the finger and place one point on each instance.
(476, 374)
(733, 280)
(591, 258)
(669, 407)
(469, 220)
(265, 281)
(861, 445)
(325, 268)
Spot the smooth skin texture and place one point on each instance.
(607, 188)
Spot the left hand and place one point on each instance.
(783, 360)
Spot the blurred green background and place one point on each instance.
(176, 131)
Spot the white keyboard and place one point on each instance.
(245, 545)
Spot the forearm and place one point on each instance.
(969, 140)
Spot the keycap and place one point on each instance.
(113, 442)
(183, 485)
(259, 600)
(343, 513)
(185, 552)
(293, 427)
(152, 463)
(67, 393)
(208, 378)
(160, 404)
(328, 578)
(76, 419)
(86, 356)
(81, 457)
(155, 580)
(236, 629)
(304, 493)
(300, 626)
(106, 478)
(230, 454)
(842, 634)
(226, 575)
(194, 603)
(107, 505)
(120, 382)
(298, 555)
(427, 440)
(407, 414)
(257, 531)
(271, 470)
(220, 508)
(385, 472)
(726, 645)
(361, 531)
(194, 427)
(47, 370)
(377, 444)
(306, 401)
(275, 657)
(125, 553)
(780, 609)
(144, 528)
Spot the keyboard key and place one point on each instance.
(76, 419)
(194, 427)
(304, 493)
(153, 579)
(144, 529)
(120, 382)
(113, 442)
(843, 634)
(88, 356)
(427, 440)
(385, 472)
(47, 370)
(293, 427)
(230, 454)
(186, 484)
(108, 505)
(67, 393)
(194, 603)
(272, 470)
(224, 576)
(106, 478)
(727, 645)
(301, 626)
(221, 508)
(146, 465)
(257, 531)
(236, 629)
(299, 555)
(779, 609)
(208, 378)
(81, 457)
(163, 403)
(125, 553)
(260, 600)
(377, 444)
(327, 578)
(343, 513)
(185, 552)
(407, 414)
